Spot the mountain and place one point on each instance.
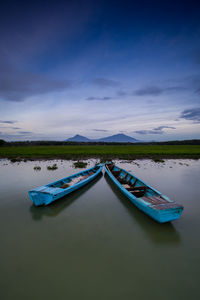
(117, 138)
(78, 138)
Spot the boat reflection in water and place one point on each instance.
(46, 194)
(162, 234)
(57, 207)
(156, 205)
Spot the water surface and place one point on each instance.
(94, 243)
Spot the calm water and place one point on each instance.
(95, 244)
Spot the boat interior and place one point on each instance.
(69, 181)
(137, 188)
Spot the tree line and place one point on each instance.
(64, 143)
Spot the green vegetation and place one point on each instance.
(37, 168)
(53, 167)
(80, 164)
(158, 160)
(104, 160)
(107, 152)
(65, 143)
(13, 160)
(2, 142)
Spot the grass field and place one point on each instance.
(101, 151)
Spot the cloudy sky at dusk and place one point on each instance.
(98, 68)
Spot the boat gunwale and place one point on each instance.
(71, 176)
(142, 204)
(135, 178)
(126, 192)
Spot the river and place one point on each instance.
(94, 243)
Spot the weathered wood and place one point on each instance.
(138, 193)
(155, 199)
(167, 206)
(127, 186)
(141, 187)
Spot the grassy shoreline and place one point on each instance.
(101, 151)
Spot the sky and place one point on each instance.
(98, 68)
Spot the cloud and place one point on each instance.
(102, 130)
(25, 132)
(157, 130)
(192, 114)
(148, 132)
(175, 89)
(163, 127)
(122, 93)
(14, 137)
(33, 39)
(156, 91)
(194, 81)
(18, 132)
(7, 122)
(191, 82)
(104, 82)
(17, 85)
(17, 135)
(146, 91)
(98, 98)
(149, 91)
(6, 127)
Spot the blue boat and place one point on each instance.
(156, 205)
(46, 194)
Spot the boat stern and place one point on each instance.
(39, 198)
(163, 215)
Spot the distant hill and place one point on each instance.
(117, 138)
(78, 138)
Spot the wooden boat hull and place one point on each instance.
(163, 212)
(44, 195)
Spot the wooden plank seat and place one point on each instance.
(133, 188)
(137, 191)
(146, 198)
(141, 187)
(127, 186)
(116, 173)
(121, 180)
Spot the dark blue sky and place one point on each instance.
(98, 68)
